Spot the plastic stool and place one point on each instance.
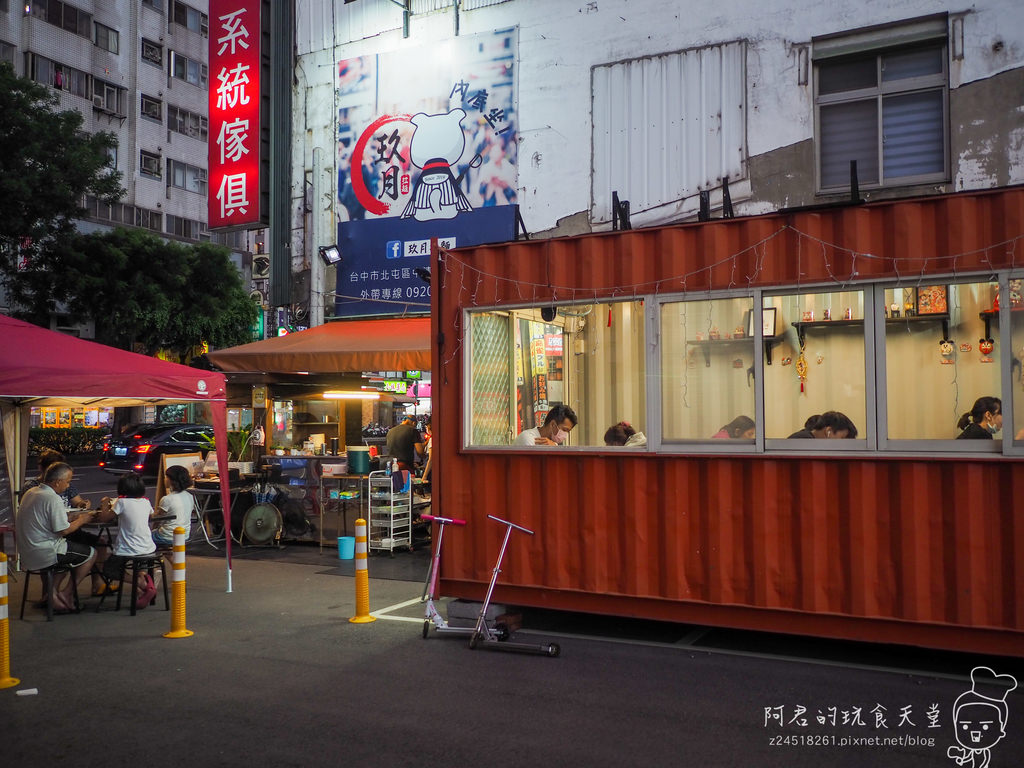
(137, 563)
(49, 577)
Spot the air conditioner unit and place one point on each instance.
(97, 101)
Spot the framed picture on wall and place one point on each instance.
(767, 322)
(931, 300)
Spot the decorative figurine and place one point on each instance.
(965, 347)
(848, 315)
(738, 333)
(985, 346)
(894, 310)
(946, 350)
(808, 315)
(714, 335)
(826, 314)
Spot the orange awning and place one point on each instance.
(349, 346)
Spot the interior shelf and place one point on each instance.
(802, 325)
(707, 344)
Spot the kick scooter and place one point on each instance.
(491, 638)
(430, 587)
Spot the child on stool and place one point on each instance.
(133, 511)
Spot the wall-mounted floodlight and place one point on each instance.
(331, 254)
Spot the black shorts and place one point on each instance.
(86, 538)
(77, 554)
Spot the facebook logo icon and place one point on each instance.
(393, 249)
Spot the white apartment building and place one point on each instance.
(136, 68)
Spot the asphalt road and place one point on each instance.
(276, 675)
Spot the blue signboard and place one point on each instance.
(376, 275)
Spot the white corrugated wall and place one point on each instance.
(668, 126)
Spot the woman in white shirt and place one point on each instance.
(178, 502)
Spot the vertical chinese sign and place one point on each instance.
(234, 148)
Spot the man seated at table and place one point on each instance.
(74, 500)
(42, 528)
(558, 423)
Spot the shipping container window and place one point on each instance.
(818, 364)
(707, 358)
(940, 356)
(589, 357)
(886, 110)
(1014, 301)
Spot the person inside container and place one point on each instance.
(558, 423)
(43, 531)
(828, 425)
(740, 428)
(983, 421)
(623, 434)
(401, 443)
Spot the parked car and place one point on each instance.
(139, 448)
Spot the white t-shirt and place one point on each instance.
(180, 505)
(133, 534)
(41, 515)
(527, 437)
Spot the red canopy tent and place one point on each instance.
(39, 367)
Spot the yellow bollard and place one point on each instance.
(362, 578)
(6, 681)
(178, 587)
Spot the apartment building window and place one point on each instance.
(156, 5)
(149, 164)
(152, 108)
(106, 38)
(190, 18)
(60, 76)
(7, 52)
(182, 227)
(63, 15)
(189, 70)
(881, 100)
(123, 213)
(108, 97)
(187, 123)
(152, 52)
(185, 176)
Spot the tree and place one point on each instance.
(146, 293)
(47, 166)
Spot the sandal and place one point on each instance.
(106, 589)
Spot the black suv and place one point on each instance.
(139, 448)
